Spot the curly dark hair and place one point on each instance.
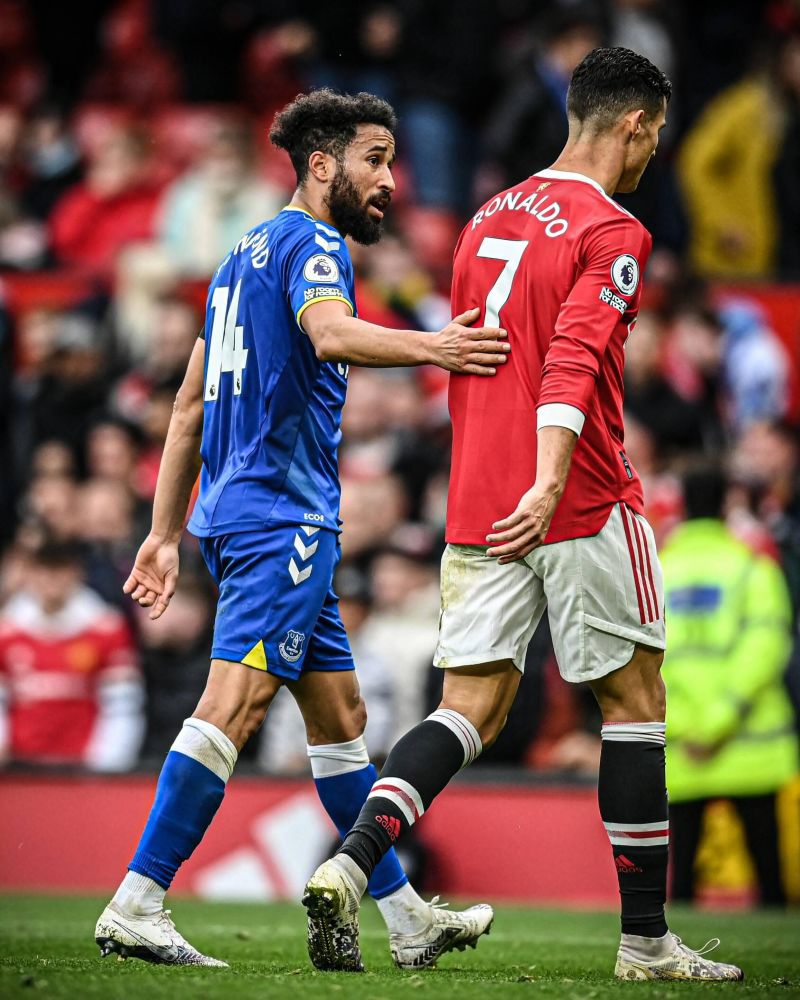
(611, 82)
(325, 120)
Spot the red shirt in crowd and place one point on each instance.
(88, 230)
(557, 263)
(51, 670)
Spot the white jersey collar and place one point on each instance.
(568, 175)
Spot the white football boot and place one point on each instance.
(680, 962)
(332, 899)
(448, 930)
(152, 938)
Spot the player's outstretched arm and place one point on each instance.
(155, 573)
(524, 530)
(459, 347)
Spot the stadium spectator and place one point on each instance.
(404, 584)
(693, 358)
(787, 167)
(206, 38)
(160, 355)
(726, 167)
(52, 161)
(730, 730)
(113, 455)
(643, 25)
(66, 391)
(132, 68)
(378, 687)
(154, 423)
(7, 461)
(660, 410)
(174, 653)
(528, 124)
(393, 273)
(22, 239)
(66, 67)
(111, 452)
(765, 468)
(69, 677)
(369, 447)
(50, 507)
(115, 205)
(366, 57)
(205, 212)
(105, 526)
(756, 366)
(441, 94)
(372, 509)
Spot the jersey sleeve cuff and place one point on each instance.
(560, 415)
(323, 298)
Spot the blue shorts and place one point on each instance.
(277, 610)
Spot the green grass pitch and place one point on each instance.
(47, 950)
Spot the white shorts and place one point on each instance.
(603, 594)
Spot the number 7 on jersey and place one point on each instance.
(511, 252)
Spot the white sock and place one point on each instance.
(209, 746)
(139, 895)
(404, 912)
(647, 949)
(354, 873)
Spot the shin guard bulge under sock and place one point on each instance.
(417, 769)
(344, 776)
(633, 804)
(189, 792)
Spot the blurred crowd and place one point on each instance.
(134, 157)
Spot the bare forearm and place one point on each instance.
(180, 465)
(555, 446)
(356, 342)
(526, 528)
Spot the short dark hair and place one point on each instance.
(325, 120)
(611, 82)
(705, 486)
(55, 554)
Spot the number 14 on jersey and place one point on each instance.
(226, 350)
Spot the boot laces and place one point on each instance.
(710, 945)
(165, 919)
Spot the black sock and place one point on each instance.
(417, 769)
(633, 803)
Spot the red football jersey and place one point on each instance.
(556, 263)
(51, 667)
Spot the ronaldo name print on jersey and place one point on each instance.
(556, 262)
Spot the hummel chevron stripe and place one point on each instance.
(327, 244)
(297, 574)
(305, 551)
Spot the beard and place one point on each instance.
(349, 211)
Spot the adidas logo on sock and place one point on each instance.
(625, 865)
(390, 824)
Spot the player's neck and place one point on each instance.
(315, 206)
(600, 162)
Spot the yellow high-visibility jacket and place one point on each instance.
(728, 642)
(725, 171)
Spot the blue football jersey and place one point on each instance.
(272, 413)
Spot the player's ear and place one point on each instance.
(322, 166)
(634, 121)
